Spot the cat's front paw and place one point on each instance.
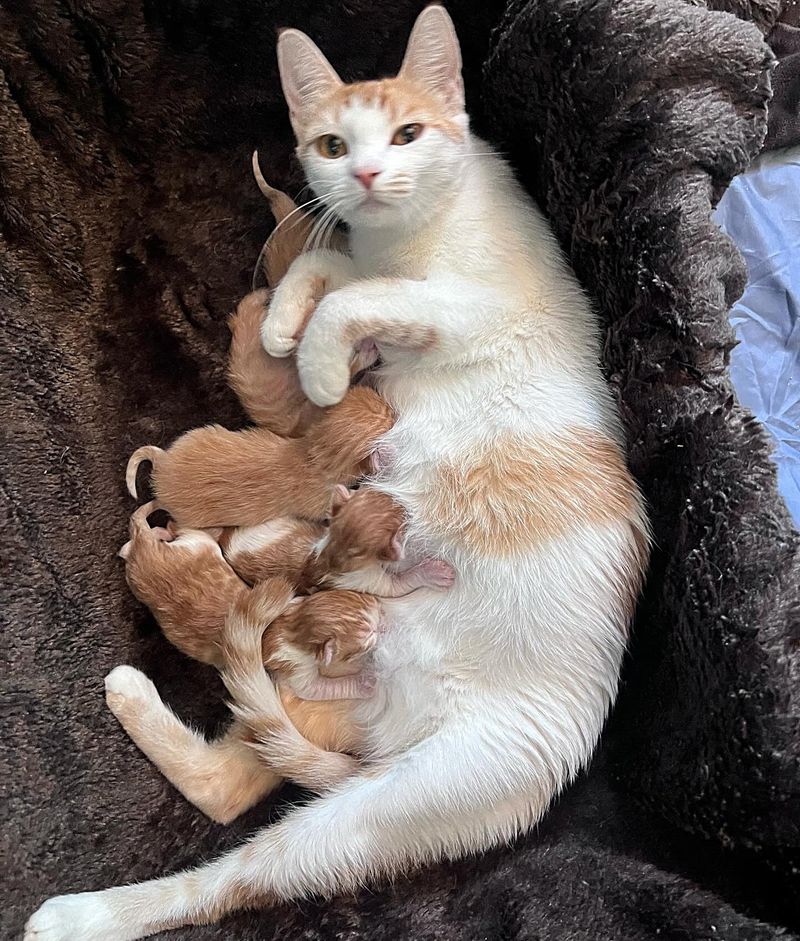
(129, 692)
(83, 917)
(274, 338)
(326, 385)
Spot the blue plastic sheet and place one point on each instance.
(761, 213)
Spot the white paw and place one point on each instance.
(83, 917)
(438, 574)
(129, 689)
(274, 340)
(325, 385)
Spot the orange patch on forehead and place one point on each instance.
(403, 101)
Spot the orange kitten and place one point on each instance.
(214, 477)
(183, 579)
(268, 387)
(182, 576)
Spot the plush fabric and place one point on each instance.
(130, 226)
(784, 111)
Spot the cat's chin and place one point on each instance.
(375, 215)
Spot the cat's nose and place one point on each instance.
(366, 177)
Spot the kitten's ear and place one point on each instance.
(433, 57)
(393, 552)
(341, 495)
(306, 75)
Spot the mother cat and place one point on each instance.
(507, 455)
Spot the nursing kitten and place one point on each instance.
(213, 477)
(182, 577)
(508, 462)
(188, 585)
(355, 551)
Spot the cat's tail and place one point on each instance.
(462, 790)
(256, 702)
(148, 452)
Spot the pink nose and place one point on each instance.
(366, 177)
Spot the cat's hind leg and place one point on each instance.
(222, 778)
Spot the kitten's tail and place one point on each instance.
(139, 525)
(147, 453)
(256, 701)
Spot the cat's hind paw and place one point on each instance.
(128, 691)
(83, 917)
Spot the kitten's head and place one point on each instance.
(380, 153)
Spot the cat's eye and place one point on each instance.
(331, 146)
(406, 134)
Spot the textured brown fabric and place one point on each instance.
(130, 227)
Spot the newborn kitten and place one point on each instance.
(198, 768)
(316, 646)
(268, 387)
(182, 576)
(365, 534)
(213, 477)
(279, 548)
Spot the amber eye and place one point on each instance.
(407, 133)
(331, 146)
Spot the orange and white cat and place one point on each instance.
(509, 463)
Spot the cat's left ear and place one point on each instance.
(433, 58)
(306, 75)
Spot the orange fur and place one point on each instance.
(346, 618)
(403, 99)
(215, 477)
(191, 589)
(519, 492)
(285, 554)
(268, 388)
(186, 583)
(364, 529)
(410, 336)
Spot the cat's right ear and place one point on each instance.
(306, 75)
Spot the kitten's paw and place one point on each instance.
(129, 691)
(83, 917)
(438, 574)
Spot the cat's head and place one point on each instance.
(380, 153)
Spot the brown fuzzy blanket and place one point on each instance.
(130, 226)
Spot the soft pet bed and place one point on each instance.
(130, 227)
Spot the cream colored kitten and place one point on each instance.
(507, 457)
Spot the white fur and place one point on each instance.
(253, 538)
(491, 696)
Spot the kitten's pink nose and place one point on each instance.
(366, 177)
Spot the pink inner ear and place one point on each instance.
(341, 495)
(328, 652)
